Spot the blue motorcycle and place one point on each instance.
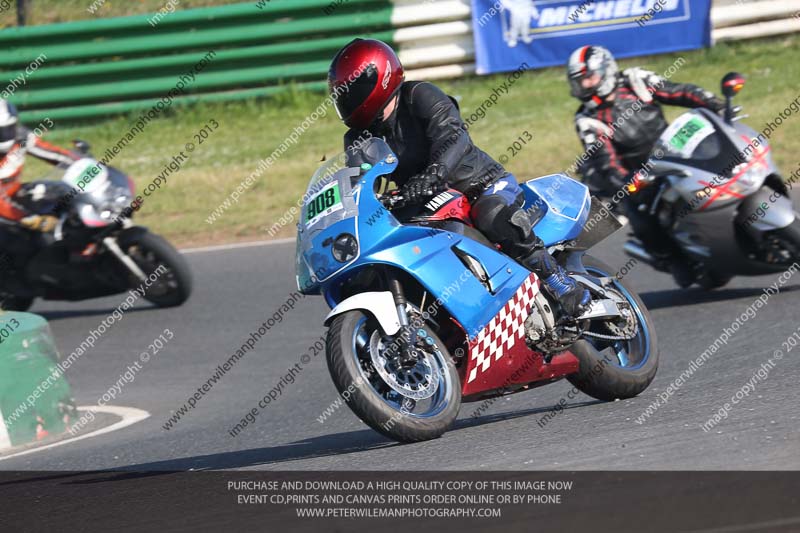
(427, 313)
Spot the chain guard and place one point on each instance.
(555, 339)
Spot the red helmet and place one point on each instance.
(363, 77)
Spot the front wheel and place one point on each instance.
(616, 369)
(10, 302)
(159, 260)
(408, 399)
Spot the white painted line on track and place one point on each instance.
(130, 416)
(234, 246)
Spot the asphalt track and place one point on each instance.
(238, 289)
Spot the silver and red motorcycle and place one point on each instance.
(720, 196)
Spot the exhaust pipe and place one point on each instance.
(635, 250)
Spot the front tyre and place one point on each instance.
(159, 259)
(10, 302)
(611, 370)
(408, 401)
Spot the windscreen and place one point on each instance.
(691, 136)
(331, 199)
(328, 198)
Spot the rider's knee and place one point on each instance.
(486, 210)
(508, 225)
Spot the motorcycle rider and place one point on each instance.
(423, 127)
(16, 141)
(619, 121)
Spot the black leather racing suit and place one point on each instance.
(620, 133)
(426, 129)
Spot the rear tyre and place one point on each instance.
(173, 283)
(711, 280)
(611, 370)
(354, 343)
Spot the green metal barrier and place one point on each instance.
(153, 43)
(122, 70)
(107, 66)
(81, 112)
(35, 398)
(189, 17)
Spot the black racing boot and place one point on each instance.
(574, 298)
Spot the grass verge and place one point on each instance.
(250, 131)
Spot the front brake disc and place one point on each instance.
(417, 382)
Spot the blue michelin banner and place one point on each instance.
(543, 33)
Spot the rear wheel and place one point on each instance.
(711, 280)
(408, 401)
(616, 369)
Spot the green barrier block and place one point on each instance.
(36, 35)
(87, 111)
(35, 398)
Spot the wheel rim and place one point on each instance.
(421, 391)
(149, 262)
(629, 354)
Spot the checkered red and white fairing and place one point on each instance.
(505, 330)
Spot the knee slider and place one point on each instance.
(522, 222)
(507, 225)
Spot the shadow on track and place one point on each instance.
(316, 447)
(77, 313)
(465, 423)
(322, 446)
(686, 297)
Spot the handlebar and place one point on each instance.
(395, 198)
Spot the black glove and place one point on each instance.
(715, 104)
(424, 185)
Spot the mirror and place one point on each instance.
(81, 146)
(732, 83)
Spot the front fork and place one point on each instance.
(407, 342)
(112, 245)
(110, 242)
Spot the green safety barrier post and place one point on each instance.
(35, 398)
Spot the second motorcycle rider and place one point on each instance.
(618, 122)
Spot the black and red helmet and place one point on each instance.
(363, 77)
